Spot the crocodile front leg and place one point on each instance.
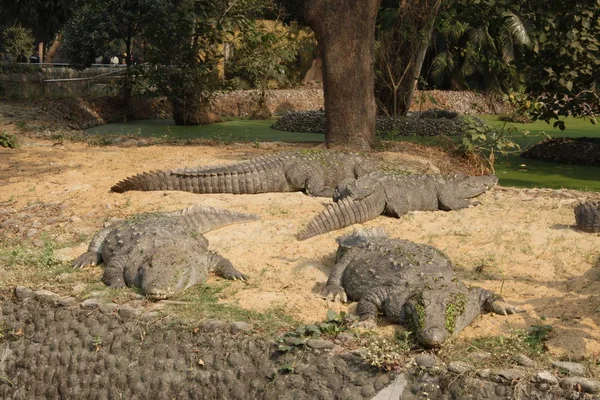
(93, 255)
(448, 201)
(333, 289)
(114, 272)
(224, 268)
(368, 307)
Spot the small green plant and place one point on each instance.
(8, 140)
(387, 355)
(97, 343)
(536, 336)
(333, 325)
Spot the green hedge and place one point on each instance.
(16, 68)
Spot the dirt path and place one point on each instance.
(518, 242)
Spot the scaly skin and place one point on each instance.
(317, 172)
(162, 254)
(391, 194)
(410, 283)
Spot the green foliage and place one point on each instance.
(480, 45)
(16, 68)
(44, 17)
(17, 41)
(8, 140)
(333, 325)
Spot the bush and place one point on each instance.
(8, 140)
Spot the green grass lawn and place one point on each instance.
(512, 169)
(231, 130)
(522, 172)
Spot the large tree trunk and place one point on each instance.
(345, 31)
(53, 49)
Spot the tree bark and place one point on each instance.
(345, 31)
(190, 111)
(53, 49)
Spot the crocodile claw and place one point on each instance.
(334, 293)
(502, 308)
(87, 258)
(241, 277)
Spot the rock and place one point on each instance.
(580, 384)
(22, 292)
(36, 224)
(426, 360)
(46, 295)
(108, 308)
(459, 367)
(66, 301)
(346, 337)
(90, 304)
(74, 218)
(395, 390)
(484, 373)
(150, 316)
(143, 142)
(320, 344)
(240, 326)
(31, 233)
(571, 367)
(38, 243)
(524, 361)
(212, 325)
(10, 223)
(544, 377)
(127, 312)
(511, 374)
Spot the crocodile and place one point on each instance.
(317, 172)
(388, 193)
(162, 254)
(411, 284)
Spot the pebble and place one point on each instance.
(31, 233)
(212, 325)
(320, 344)
(46, 295)
(570, 367)
(108, 308)
(524, 361)
(10, 223)
(346, 337)
(544, 377)
(240, 326)
(127, 312)
(74, 218)
(480, 355)
(38, 243)
(511, 374)
(484, 373)
(459, 367)
(23, 292)
(66, 301)
(577, 382)
(426, 360)
(90, 304)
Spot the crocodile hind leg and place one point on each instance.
(303, 176)
(448, 201)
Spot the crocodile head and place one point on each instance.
(166, 273)
(436, 313)
(473, 186)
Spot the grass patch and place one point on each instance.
(235, 129)
(21, 263)
(202, 302)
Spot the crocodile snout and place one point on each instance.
(432, 337)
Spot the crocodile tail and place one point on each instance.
(205, 218)
(344, 213)
(246, 182)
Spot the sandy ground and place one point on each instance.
(519, 243)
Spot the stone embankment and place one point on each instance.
(60, 347)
